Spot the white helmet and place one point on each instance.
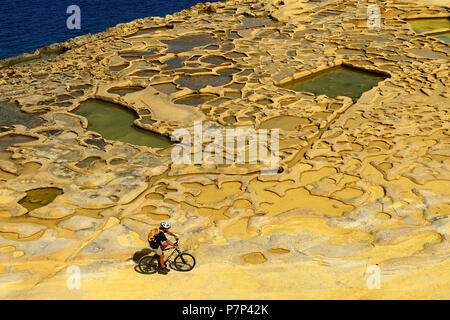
(165, 225)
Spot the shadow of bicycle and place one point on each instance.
(139, 254)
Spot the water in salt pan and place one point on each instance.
(121, 91)
(43, 57)
(188, 42)
(115, 122)
(338, 81)
(427, 25)
(196, 99)
(38, 198)
(431, 25)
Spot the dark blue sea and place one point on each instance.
(26, 25)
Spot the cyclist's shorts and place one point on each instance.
(158, 250)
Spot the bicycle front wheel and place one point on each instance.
(184, 262)
(149, 264)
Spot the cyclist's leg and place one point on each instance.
(160, 253)
(162, 247)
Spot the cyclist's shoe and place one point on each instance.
(167, 270)
(163, 271)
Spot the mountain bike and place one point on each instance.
(183, 261)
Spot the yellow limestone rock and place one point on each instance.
(360, 181)
(301, 200)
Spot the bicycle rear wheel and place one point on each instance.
(184, 262)
(149, 264)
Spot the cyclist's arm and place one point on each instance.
(172, 234)
(171, 244)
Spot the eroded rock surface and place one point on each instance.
(362, 182)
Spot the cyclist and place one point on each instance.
(160, 242)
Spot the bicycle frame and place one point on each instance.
(175, 250)
(150, 264)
